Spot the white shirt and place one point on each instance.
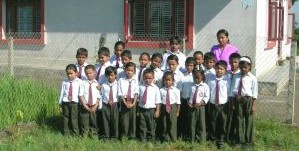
(121, 73)
(178, 79)
(203, 93)
(230, 74)
(64, 93)
(141, 74)
(209, 74)
(224, 89)
(187, 83)
(102, 78)
(105, 91)
(202, 67)
(249, 85)
(158, 77)
(83, 75)
(113, 61)
(123, 85)
(174, 95)
(181, 56)
(153, 96)
(95, 92)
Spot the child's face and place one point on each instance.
(81, 59)
(111, 77)
(209, 64)
(175, 46)
(125, 60)
(234, 63)
(130, 71)
(198, 78)
(220, 71)
(103, 59)
(90, 74)
(71, 74)
(118, 50)
(222, 39)
(148, 78)
(172, 65)
(168, 81)
(245, 68)
(143, 60)
(189, 67)
(198, 59)
(156, 62)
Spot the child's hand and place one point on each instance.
(99, 87)
(177, 113)
(157, 114)
(111, 104)
(253, 108)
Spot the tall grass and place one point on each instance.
(24, 99)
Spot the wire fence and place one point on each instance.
(44, 57)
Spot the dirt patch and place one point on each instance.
(16, 130)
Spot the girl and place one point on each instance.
(170, 107)
(68, 100)
(173, 65)
(116, 59)
(199, 97)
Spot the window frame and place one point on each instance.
(24, 41)
(149, 42)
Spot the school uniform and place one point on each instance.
(220, 89)
(148, 100)
(209, 74)
(110, 113)
(200, 67)
(100, 72)
(158, 76)
(199, 93)
(180, 55)
(178, 78)
(122, 74)
(68, 100)
(139, 73)
(170, 99)
(128, 89)
(245, 90)
(81, 71)
(116, 61)
(88, 119)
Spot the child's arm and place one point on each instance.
(134, 101)
(94, 108)
(82, 101)
(253, 109)
(178, 111)
(157, 112)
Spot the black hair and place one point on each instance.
(119, 43)
(168, 73)
(173, 57)
(189, 60)
(145, 54)
(109, 70)
(82, 51)
(221, 63)
(126, 53)
(234, 56)
(222, 31)
(175, 38)
(156, 55)
(71, 67)
(130, 64)
(104, 51)
(197, 53)
(148, 70)
(90, 67)
(209, 56)
(202, 72)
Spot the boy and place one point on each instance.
(209, 62)
(219, 86)
(90, 100)
(149, 106)
(198, 60)
(155, 65)
(126, 57)
(104, 56)
(116, 59)
(144, 59)
(175, 45)
(81, 56)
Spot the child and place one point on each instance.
(234, 60)
(219, 86)
(173, 65)
(89, 102)
(245, 90)
(170, 107)
(149, 106)
(187, 83)
(110, 109)
(209, 61)
(104, 55)
(144, 59)
(128, 92)
(126, 57)
(69, 99)
(175, 45)
(199, 96)
(155, 65)
(116, 59)
(81, 56)
(199, 61)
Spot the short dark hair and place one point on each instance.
(197, 53)
(221, 63)
(168, 73)
(119, 43)
(175, 38)
(71, 67)
(126, 53)
(234, 56)
(145, 54)
(90, 67)
(82, 51)
(209, 56)
(173, 57)
(109, 70)
(148, 70)
(104, 51)
(202, 72)
(189, 60)
(156, 55)
(130, 64)
(222, 31)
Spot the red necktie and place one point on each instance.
(70, 91)
(129, 93)
(167, 101)
(217, 93)
(240, 86)
(98, 74)
(117, 62)
(144, 97)
(111, 94)
(195, 96)
(80, 72)
(90, 102)
(139, 75)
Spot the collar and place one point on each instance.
(171, 53)
(200, 84)
(92, 81)
(111, 84)
(221, 78)
(84, 64)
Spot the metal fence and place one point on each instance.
(45, 59)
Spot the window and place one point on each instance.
(157, 20)
(275, 23)
(23, 20)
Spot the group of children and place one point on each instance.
(165, 97)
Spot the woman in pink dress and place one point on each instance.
(223, 50)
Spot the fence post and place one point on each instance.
(291, 88)
(11, 56)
